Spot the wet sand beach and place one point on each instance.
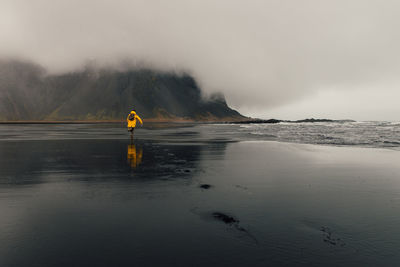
(192, 195)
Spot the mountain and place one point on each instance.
(28, 93)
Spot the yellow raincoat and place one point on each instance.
(132, 123)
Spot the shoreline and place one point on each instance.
(121, 121)
(177, 120)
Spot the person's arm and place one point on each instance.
(127, 118)
(140, 120)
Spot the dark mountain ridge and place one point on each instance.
(28, 93)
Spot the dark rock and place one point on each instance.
(256, 121)
(312, 120)
(225, 218)
(205, 186)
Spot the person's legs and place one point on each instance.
(131, 130)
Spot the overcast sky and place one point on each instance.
(283, 59)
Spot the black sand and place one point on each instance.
(83, 195)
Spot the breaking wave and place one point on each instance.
(366, 133)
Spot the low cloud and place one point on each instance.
(261, 54)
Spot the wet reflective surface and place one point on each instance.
(182, 195)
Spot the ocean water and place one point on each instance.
(364, 134)
(200, 195)
(359, 134)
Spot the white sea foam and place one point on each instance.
(366, 133)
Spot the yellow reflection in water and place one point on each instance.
(134, 155)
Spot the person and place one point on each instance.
(131, 119)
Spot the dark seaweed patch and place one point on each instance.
(232, 221)
(205, 186)
(328, 238)
(225, 218)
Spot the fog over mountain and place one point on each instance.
(28, 92)
(275, 58)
